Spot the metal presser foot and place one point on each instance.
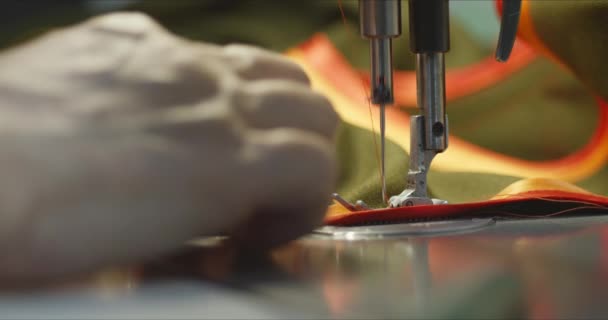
(380, 22)
(415, 193)
(420, 161)
(428, 131)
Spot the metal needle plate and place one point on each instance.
(403, 229)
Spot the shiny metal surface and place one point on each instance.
(391, 231)
(381, 74)
(380, 18)
(542, 268)
(429, 131)
(385, 198)
(380, 21)
(430, 82)
(415, 192)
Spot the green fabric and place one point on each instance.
(359, 176)
(542, 112)
(577, 33)
(539, 113)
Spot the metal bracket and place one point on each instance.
(358, 206)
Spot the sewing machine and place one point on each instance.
(380, 22)
(540, 268)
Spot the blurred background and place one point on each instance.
(194, 18)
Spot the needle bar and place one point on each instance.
(382, 153)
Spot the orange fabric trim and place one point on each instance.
(333, 76)
(532, 184)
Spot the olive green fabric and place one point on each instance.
(577, 33)
(359, 176)
(542, 112)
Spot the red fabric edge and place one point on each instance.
(455, 210)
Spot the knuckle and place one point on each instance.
(329, 113)
(302, 156)
(129, 23)
(253, 63)
(296, 73)
(273, 103)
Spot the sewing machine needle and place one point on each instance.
(382, 151)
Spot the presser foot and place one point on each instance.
(406, 199)
(415, 193)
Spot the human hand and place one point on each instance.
(120, 141)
